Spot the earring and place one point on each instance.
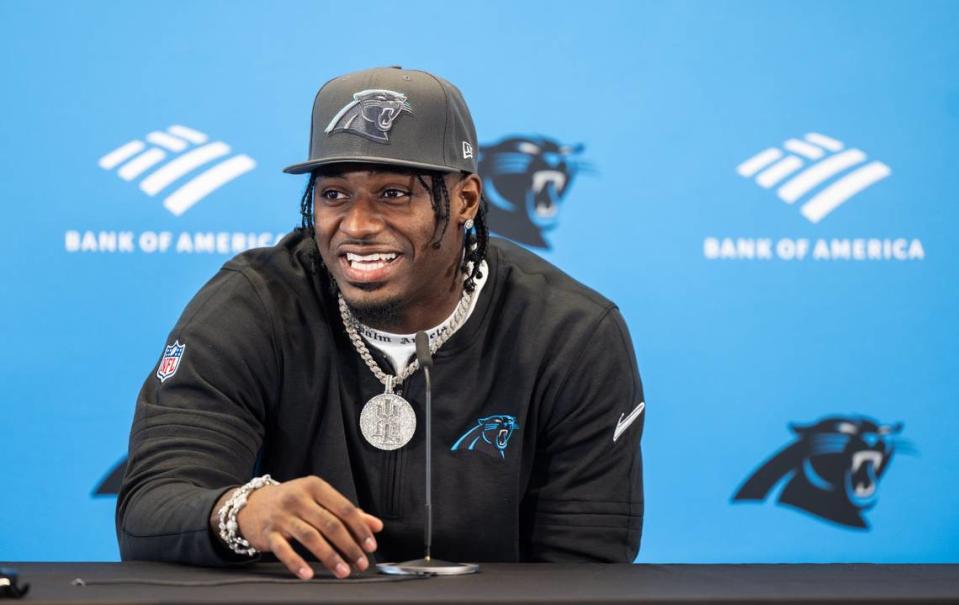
(468, 224)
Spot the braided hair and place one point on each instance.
(475, 240)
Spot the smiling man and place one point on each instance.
(286, 413)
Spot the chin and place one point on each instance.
(373, 308)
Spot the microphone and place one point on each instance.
(426, 362)
(423, 353)
(427, 565)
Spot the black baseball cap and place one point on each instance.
(393, 116)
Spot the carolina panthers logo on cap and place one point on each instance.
(526, 178)
(370, 114)
(490, 434)
(831, 471)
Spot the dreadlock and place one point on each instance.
(475, 240)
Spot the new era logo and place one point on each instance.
(822, 158)
(183, 150)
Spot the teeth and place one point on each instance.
(542, 177)
(369, 262)
(861, 457)
(369, 258)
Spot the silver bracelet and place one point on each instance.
(229, 530)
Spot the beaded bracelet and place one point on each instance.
(229, 530)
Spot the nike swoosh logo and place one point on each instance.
(624, 421)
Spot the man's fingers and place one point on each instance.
(349, 515)
(285, 553)
(315, 514)
(308, 536)
(336, 533)
(374, 523)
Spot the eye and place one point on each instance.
(332, 195)
(395, 194)
(527, 147)
(847, 428)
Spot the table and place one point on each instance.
(503, 583)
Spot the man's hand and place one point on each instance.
(314, 514)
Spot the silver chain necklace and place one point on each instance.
(388, 421)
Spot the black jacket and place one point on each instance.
(269, 383)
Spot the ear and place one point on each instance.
(465, 199)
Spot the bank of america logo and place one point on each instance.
(823, 158)
(167, 156)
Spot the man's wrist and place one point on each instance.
(214, 519)
(226, 517)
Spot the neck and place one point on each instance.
(412, 317)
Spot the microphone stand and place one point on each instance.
(427, 565)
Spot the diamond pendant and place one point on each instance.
(387, 420)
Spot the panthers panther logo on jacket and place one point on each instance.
(490, 435)
(526, 179)
(831, 471)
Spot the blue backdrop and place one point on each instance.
(767, 189)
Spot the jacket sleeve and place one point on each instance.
(585, 497)
(197, 432)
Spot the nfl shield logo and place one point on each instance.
(171, 360)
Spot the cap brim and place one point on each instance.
(312, 165)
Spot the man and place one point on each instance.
(292, 367)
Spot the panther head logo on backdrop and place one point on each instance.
(832, 470)
(525, 179)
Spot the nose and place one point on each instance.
(362, 218)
